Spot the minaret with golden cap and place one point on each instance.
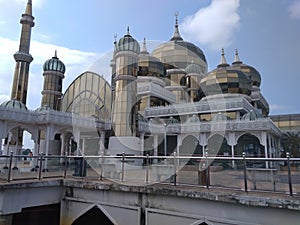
(22, 57)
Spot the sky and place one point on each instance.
(265, 32)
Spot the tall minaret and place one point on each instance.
(22, 57)
(124, 114)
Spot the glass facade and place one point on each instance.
(89, 95)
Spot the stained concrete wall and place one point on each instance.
(165, 205)
(155, 204)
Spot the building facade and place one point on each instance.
(156, 103)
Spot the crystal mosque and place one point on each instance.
(156, 103)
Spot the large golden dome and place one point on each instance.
(178, 53)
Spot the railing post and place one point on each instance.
(207, 170)
(41, 164)
(245, 172)
(123, 161)
(289, 173)
(10, 166)
(175, 168)
(147, 169)
(101, 167)
(82, 167)
(66, 165)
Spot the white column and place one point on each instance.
(83, 146)
(101, 144)
(142, 142)
(264, 143)
(62, 144)
(155, 142)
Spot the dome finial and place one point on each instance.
(176, 35)
(144, 48)
(128, 33)
(55, 54)
(115, 38)
(223, 62)
(236, 58)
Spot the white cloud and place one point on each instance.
(275, 108)
(213, 25)
(294, 10)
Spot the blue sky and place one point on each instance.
(266, 33)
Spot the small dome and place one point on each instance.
(193, 119)
(13, 104)
(220, 117)
(128, 43)
(252, 115)
(172, 121)
(54, 64)
(251, 72)
(193, 68)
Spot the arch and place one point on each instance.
(92, 90)
(190, 147)
(250, 144)
(183, 136)
(93, 216)
(217, 144)
(257, 135)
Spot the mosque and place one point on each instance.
(156, 103)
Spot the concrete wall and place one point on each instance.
(150, 205)
(124, 207)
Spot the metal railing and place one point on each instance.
(277, 175)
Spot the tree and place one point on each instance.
(291, 143)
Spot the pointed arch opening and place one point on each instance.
(93, 217)
(190, 147)
(217, 145)
(249, 144)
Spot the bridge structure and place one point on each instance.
(108, 190)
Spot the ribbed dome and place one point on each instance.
(13, 104)
(251, 72)
(193, 68)
(224, 80)
(54, 64)
(193, 119)
(220, 117)
(179, 53)
(252, 115)
(128, 43)
(172, 121)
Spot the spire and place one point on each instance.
(176, 35)
(223, 62)
(237, 58)
(144, 48)
(28, 10)
(128, 32)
